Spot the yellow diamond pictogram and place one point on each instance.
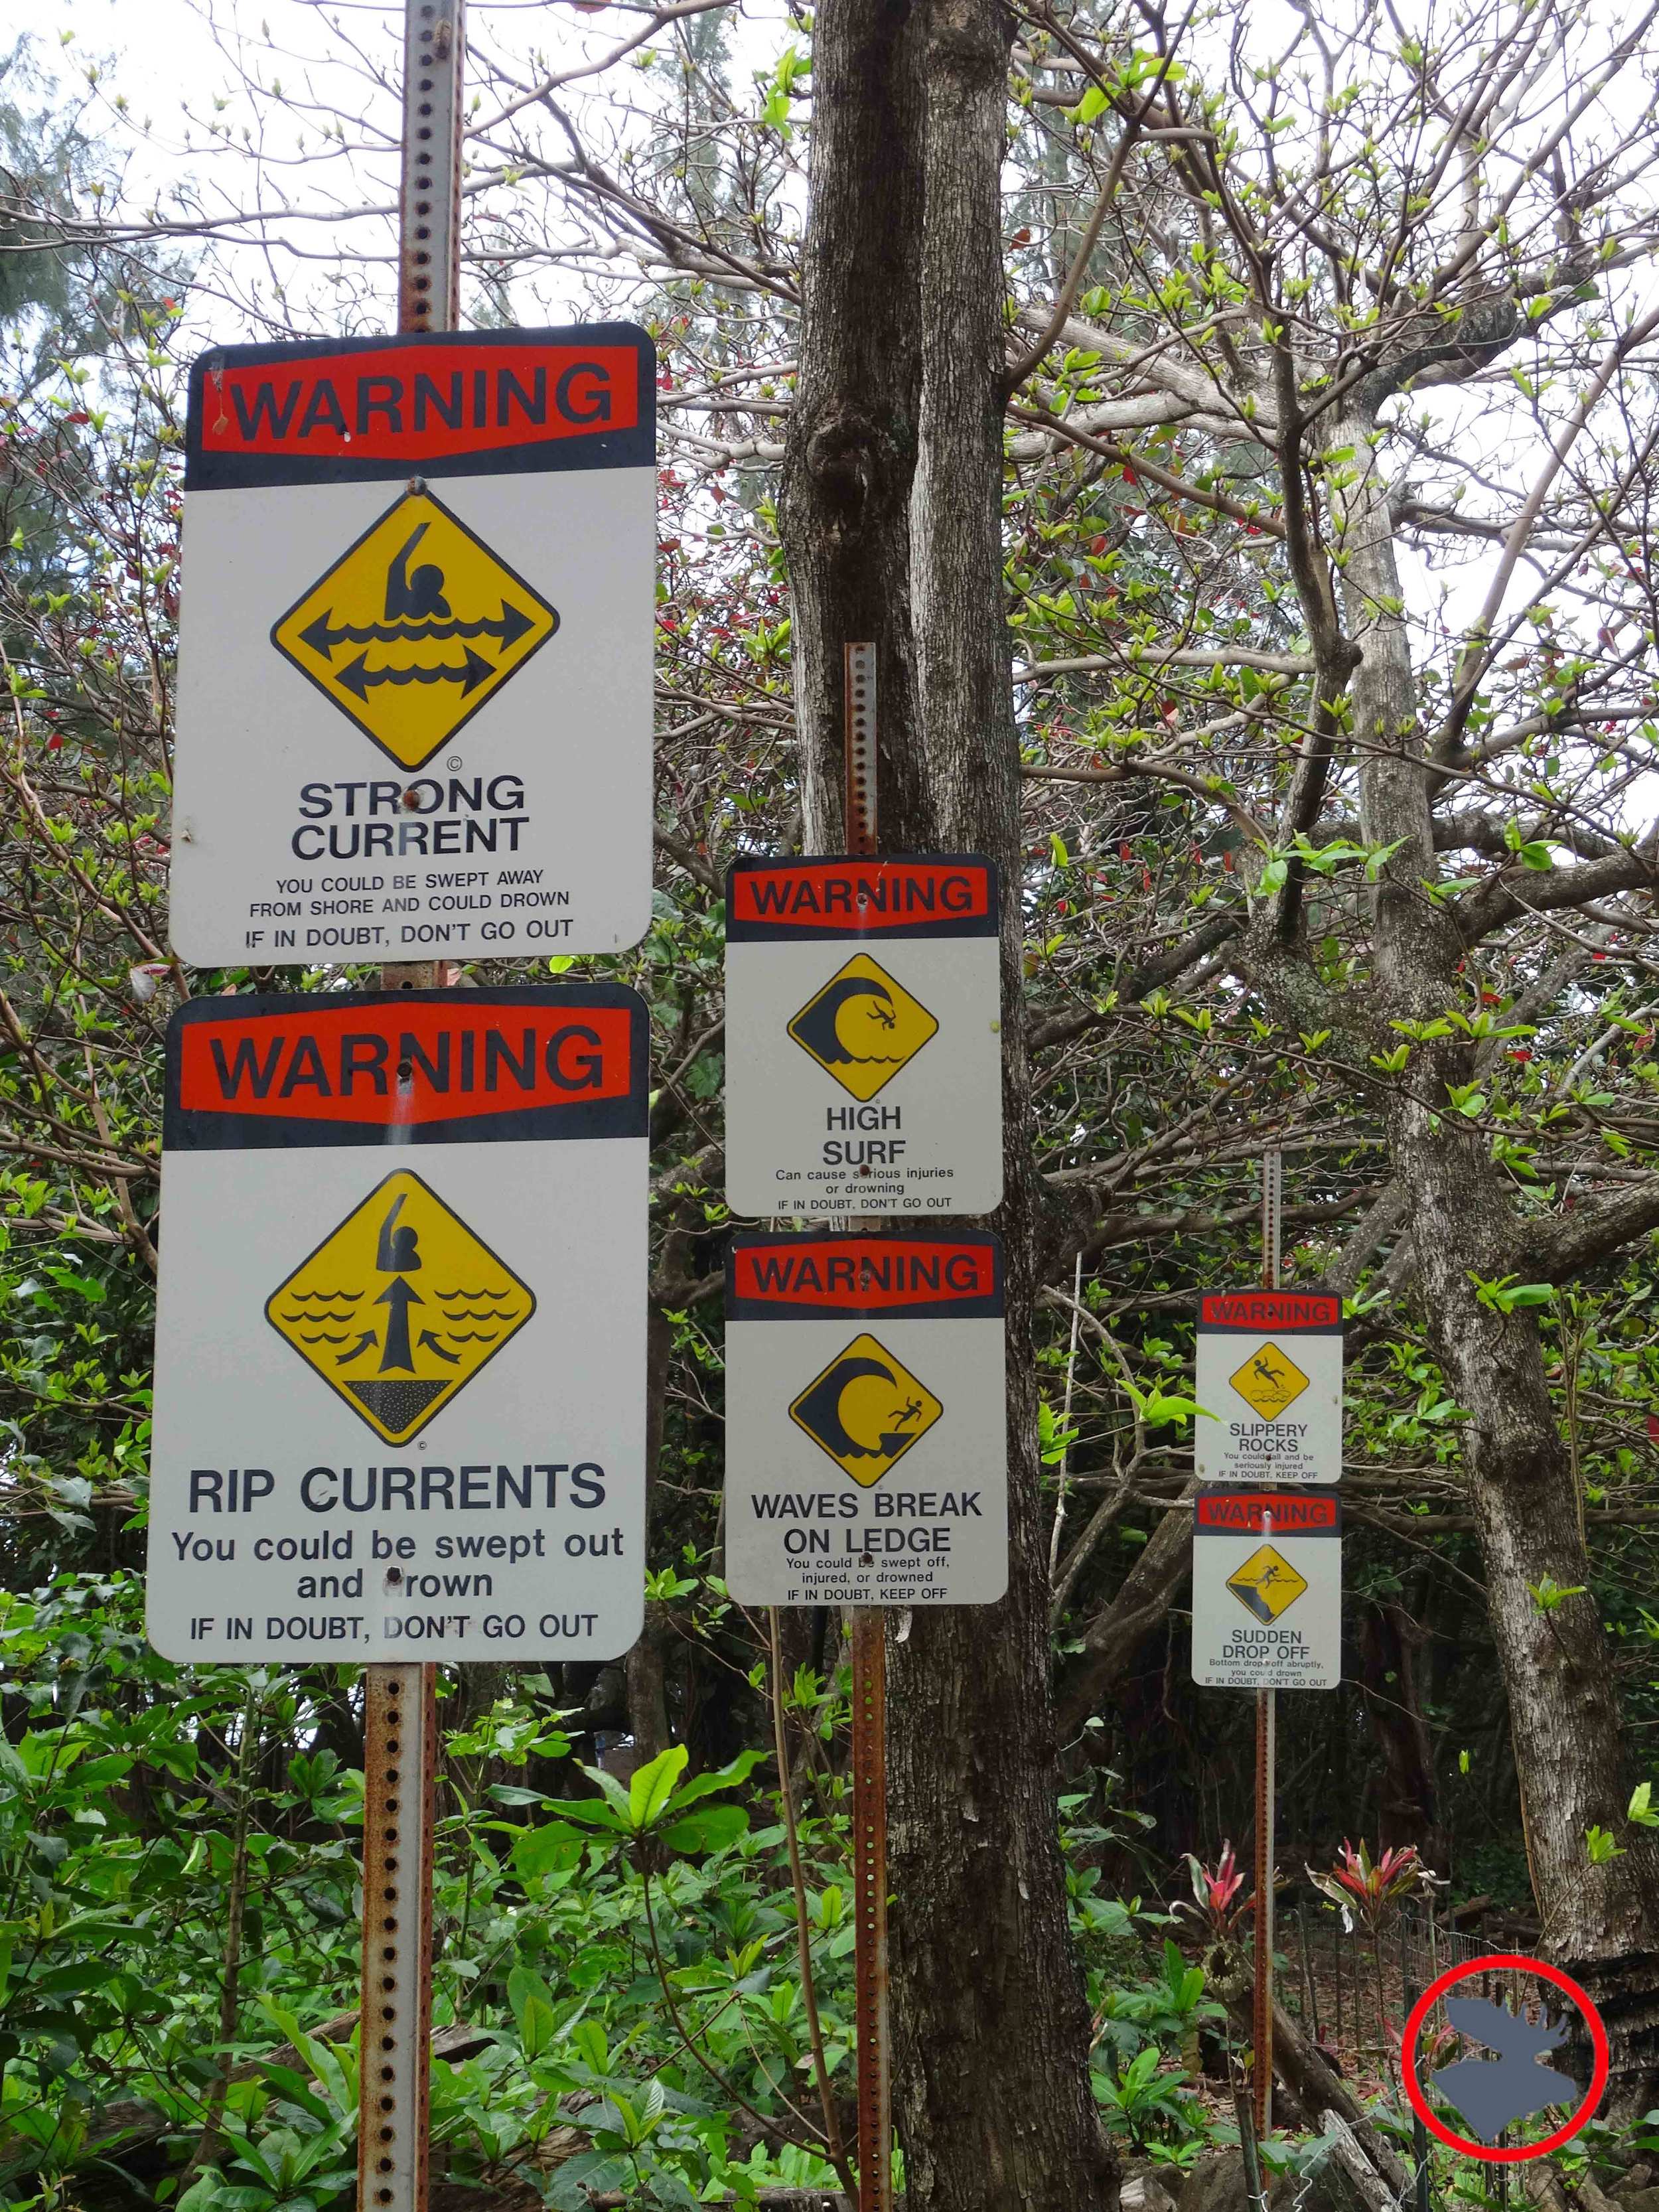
(862, 1027)
(400, 1307)
(415, 627)
(1267, 1584)
(1269, 1380)
(865, 1410)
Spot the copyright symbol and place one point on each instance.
(455, 761)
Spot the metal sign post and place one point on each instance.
(1266, 1733)
(874, 2054)
(400, 1703)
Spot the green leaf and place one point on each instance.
(711, 1830)
(533, 2010)
(653, 1786)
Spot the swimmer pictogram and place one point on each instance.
(414, 627)
(399, 1306)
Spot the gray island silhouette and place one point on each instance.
(1491, 2093)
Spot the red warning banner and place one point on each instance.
(935, 895)
(296, 413)
(370, 1067)
(783, 1278)
(1286, 1311)
(1293, 1512)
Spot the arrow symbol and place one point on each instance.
(361, 679)
(431, 1345)
(324, 633)
(361, 1346)
(398, 1295)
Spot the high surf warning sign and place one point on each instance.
(863, 1026)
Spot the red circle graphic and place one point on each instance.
(1513, 1962)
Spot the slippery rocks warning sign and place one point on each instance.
(400, 1343)
(1267, 1589)
(863, 1029)
(866, 1453)
(1270, 1373)
(415, 695)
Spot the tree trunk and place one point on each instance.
(900, 271)
(1601, 1921)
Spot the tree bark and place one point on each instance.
(901, 355)
(993, 2029)
(1601, 1921)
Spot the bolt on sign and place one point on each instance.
(865, 1444)
(863, 1027)
(1267, 1589)
(1270, 1372)
(400, 1347)
(415, 688)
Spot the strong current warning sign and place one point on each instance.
(1270, 1373)
(400, 1344)
(864, 1047)
(1267, 1589)
(866, 1447)
(415, 694)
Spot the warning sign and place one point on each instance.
(414, 627)
(863, 1031)
(1270, 1370)
(1267, 1584)
(865, 1410)
(400, 1307)
(862, 1027)
(1270, 1380)
(1267, 1589)
(400, 1346)
(415, 704)
(865, 1465)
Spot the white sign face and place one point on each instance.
(865, 1431)
(1267, 1589)
(1270, 1370)
(400, 1336)
(415, 654)
(863, 1037)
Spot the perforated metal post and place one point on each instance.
(400, 1773)
(429, 236)
(875, 2087)
(1267, 1731)
(400, 1703)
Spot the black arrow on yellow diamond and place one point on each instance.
(362, 1344)
(323, 635)
(400, 1296)
(453, 1359)
(361, 679)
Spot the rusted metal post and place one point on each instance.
(400, 1776)
(1266, 1733)
(875, 2089)
(400, 1703)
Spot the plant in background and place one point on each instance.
(1216, 1902)
(1370, 1894)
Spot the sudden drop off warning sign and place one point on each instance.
(400, 1343)
(863, 1025)
(1270, 1370)
(1267, 1589)
(415, 698)
(866, 1447)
